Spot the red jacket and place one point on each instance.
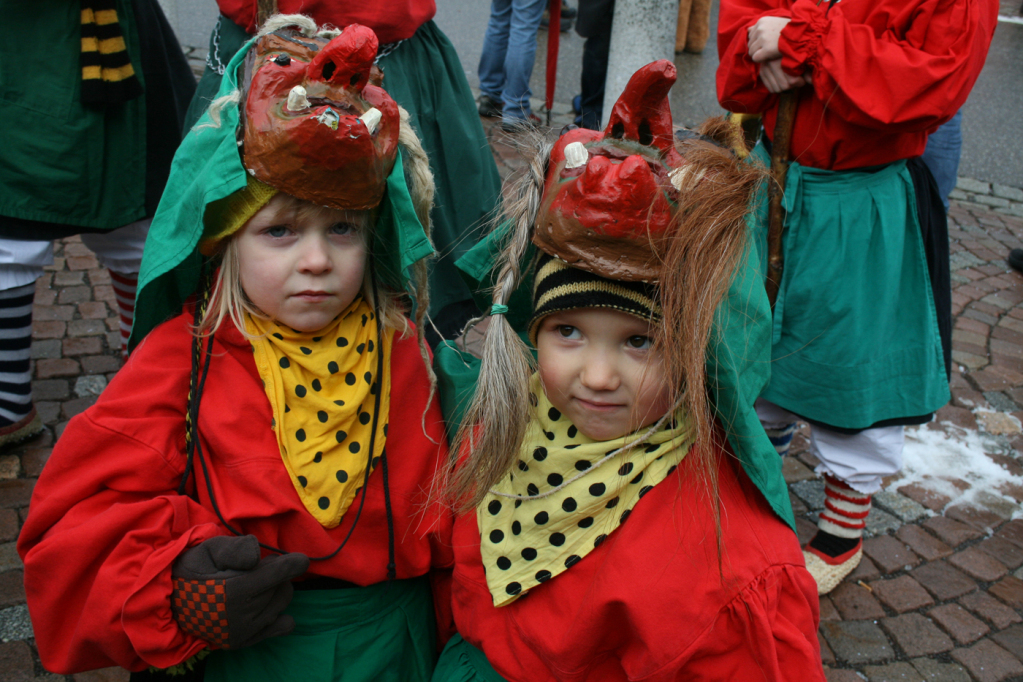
(392, 20)
(106, 522)
(650, 604)
(885, 73)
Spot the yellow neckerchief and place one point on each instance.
(321, 386)
(566, 495)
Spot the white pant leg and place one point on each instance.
(22, 262)
(120, 250)
(860, 459)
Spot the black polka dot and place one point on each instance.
(553, 414)
(276, 335)
(354, 447)
(361, 347)
(542, 576)
(523, 466)
(342, 342)
(612, 503)
(599, 540)
(317, 339)
(305, 351)
(496, 536)
(528, 553)
(549, 434)
(286, 409)
(518, 503)
(385, 429)
(512, 588)
(316, 385)
(375, 461)
(368, 376)
(323, 502)
(374, 388)
(532, 399)
(300, 435)
(302, 481)
(672, 469)
(504, 563)
(300, 391)
(541, 518)
(339, 403)
(645, 489)
(341, 435)
(369, 345)
(364, 320)
(625, 469)
(516, 528)
(598, 489)
(572, 560)
(322, 416)
(569, 504)
(554, 479)
(494, 507)
(557, 539)
(342, 476)
(653, 447)
(582, 465)
(284, 363)
(318, 457)
(586, 523)
(532, 490)
(350, 379)
(625, 515)
(332, 367)
(540, 454)
(638, 478)
(364, 418)
(572, 431)
(573, 446)
(273, 423)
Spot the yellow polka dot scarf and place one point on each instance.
(322, 387)
(566, 495)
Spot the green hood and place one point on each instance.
(208, 167)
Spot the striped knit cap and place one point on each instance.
(557, 286)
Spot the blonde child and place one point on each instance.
(281, 428)
(611, 532)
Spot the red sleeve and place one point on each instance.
(738, 77)
(904, 68)
(106, 524)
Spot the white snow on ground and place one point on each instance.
(935, 458)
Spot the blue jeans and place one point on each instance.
(509, 48)
(942, 155)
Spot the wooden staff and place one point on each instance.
(264, 9)
(776, 190)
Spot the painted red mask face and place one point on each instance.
(315, 127)
(608, 198)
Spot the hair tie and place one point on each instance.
(498, 309)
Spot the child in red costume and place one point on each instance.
(258, 438)
(611, 532)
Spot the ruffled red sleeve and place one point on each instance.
(739, 87)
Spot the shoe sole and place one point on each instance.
(828, 576)
(21, 430)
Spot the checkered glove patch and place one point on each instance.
(200, 608)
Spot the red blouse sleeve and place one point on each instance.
(738, 77)
(905, 67)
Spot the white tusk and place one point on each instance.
(576, 155)
(678, 176)
(297, 100)
(371, 119)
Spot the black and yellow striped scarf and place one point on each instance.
(107, 74)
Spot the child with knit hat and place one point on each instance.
(618, 523)
(251, 483)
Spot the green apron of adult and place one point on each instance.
(855, 335)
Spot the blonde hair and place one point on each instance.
(708, 236)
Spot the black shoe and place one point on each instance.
(567, 11)
(514, 125)
(489, 107)
(1015, 259)
(566, 22)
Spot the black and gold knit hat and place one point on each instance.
(558, 286)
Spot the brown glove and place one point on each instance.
(226, 595)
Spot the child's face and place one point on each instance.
(302, 264)
(599, 368)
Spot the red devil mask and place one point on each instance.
(608, 198)
(314, 125)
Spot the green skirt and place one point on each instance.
(462, 662)
(381, 633)
(855, 336)
(423, 75)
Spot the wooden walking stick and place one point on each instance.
(776, 190)
(264, 9)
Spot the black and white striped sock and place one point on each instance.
(15, 353)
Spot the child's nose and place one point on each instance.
(315, 258)
(600, 374)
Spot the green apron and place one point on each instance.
(462, 662)
(381, 633)
(855, 337)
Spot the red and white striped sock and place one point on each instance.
(845, 510)
(124, 289)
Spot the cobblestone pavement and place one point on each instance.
(938, 597)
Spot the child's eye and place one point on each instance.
(343, 228)
(567, 331)
(639, 342)
(277, 231)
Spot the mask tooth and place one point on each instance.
(371, 119)
(576, 155)
(297, 100)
